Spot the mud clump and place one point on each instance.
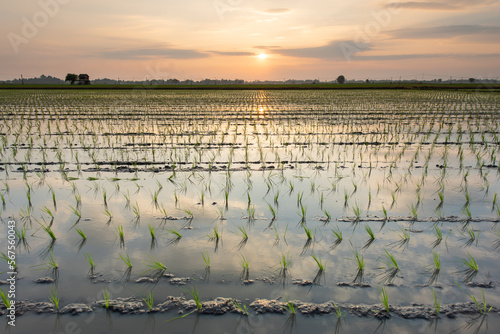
(75, 309)
(44, 280)
(354, 285)
(145, 280)
(261, 306)
(487, 285)
(180, 280)
(302, 282)
(121, 305)
(221, 305)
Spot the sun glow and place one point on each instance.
(262, 56)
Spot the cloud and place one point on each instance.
(440, 5)
(141, 53)
(266, 47)
(276, 11)
(425, 56)
(444, 31)
(232, 53)
(333, 51)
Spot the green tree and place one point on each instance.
(341, 79)
(71, 77)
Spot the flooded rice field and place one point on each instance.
(249, 211)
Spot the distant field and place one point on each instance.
(416, 86)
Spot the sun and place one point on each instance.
(262, 56)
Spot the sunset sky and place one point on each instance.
(250, 39)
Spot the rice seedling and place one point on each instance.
(220, 213)
(149, 300)
(52, 263)
(3, 200)
(471, 268)
(76, 211)
(357, 211)
(242, 233)
(206, 258)
(466, 212)
(285, 261)
(441, 200)
(127, 199)
(243, 309)
(136, 210)
(108, 213)
(471, 236)
(80, 232)
(496, 243)
(154, 265)
(49, 231)
(120, 233)
(5, 299)
(90, 261)
(10, 261)
(290, 307)
(276, 198)
(302, 213)
(370, 232)
(251, 212)
(328, 216)
(216, 235)
(391, 268)
(393, 196)
(337, 233)
(338, 312)
(189, 213)
(106, 295)
(413, 212)
(154, 198)
(21, 234)
(309, 233)
(437, 260)
(435, 267)
(360, 262)
(390, 260)
(272, 211)
(404, 239)
(482, 307)
(152, 231)
(384, 211)
(319, 262)
(196, 297)
(244, 263)
(437, 303)
(54, 299)
(126, 260)
(105, 198)
(384, 298)
(48, 211)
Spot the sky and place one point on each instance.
(250, 39)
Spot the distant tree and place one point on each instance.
(341, 79)
(71, 77)
(472, 80)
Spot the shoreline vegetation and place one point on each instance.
(321, 86)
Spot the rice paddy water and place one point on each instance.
(379, 198)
